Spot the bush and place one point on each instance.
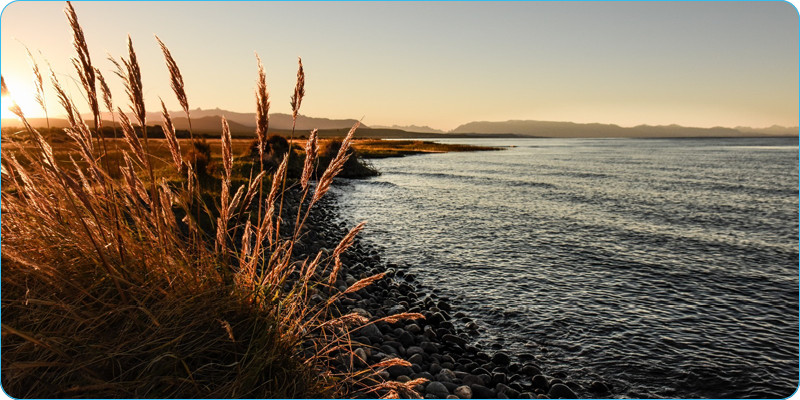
(355, 167)
(275, 149)
(199, 157)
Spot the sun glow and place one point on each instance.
(5, 103)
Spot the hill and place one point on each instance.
(276, 120)
(595, 130)
(410, 128)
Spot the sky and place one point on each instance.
(440, 64)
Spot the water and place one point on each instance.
(668, 268)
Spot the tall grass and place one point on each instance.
(110, 288)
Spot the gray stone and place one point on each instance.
(471, 380)
(508, 391)
(435, 368)
(397, 370)
(406, 339)
(463, 392)
(413, 328)
(482, 392)
(436, 389)
(370, 330)
(531, 370)
(360, 357)
(541, 382)
(429, 347)
(445, 375)
(455, 339)
(414, 350)
(561, 390)
(415, 358)
(451, 397)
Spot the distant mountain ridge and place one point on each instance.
(243, 124)
(595, 130)
(209, 120)
(410, 128)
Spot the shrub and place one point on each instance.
(355, 167)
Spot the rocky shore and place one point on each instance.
(439, 348)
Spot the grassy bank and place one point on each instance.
(163, 268)
(376, 148)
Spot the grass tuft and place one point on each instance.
(144, 280)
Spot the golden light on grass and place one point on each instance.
(134, 287)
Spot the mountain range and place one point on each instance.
(243, 124)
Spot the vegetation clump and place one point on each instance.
(355, 167)
(112, 287)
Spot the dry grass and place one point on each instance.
(111, 291)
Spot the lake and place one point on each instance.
(666, 267)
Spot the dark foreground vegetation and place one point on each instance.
(140, 268)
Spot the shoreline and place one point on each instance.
(440, 347)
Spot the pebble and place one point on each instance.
(561, 390)
(437, 347)
(482, 392)
(436, 389)
(463, 392)
(501, 359)
(455, 339)
(541, 382)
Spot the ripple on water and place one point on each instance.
(665, 267)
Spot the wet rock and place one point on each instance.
(561, 390)
(452, 397)
(507, 390)
(445, 375)
(541, 382)
(413, 329)
(429, 332)
(501, 359)
(470, 380)
(429, 347)
(530, 370)
(370, 330)
(397, 370)
(414, 350)
(498, 378)
(435, 368)
(360, 357)
(455, 339)
(482, 392)
(463, 392)
(436, 389)
(406, 339)
(598, 387)
(415, 358)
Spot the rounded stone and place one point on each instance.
(561, 390)
(501, 359)
(470, 380)
(436, 389)
(598, 387)
(463, 392)
(541, 382)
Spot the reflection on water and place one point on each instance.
(667, 267)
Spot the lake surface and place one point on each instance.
(668, 268)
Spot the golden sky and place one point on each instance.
(440, 64)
